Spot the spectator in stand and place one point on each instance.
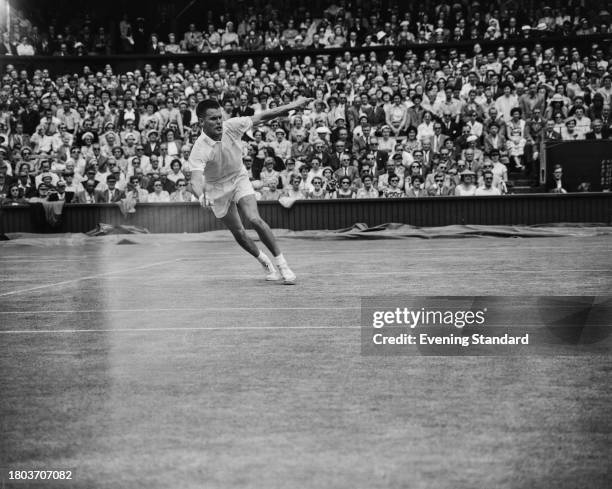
(135, 192)
(416, 188)
(271, 192)
(182, 194)
(516, 149)
(88, 194)
(42, 194)
(344, 191)
(5, 183)
(394, 188)
(597, 131)
(318, 191)
(368, 190)
(569, 132)
(294, 191)
(281, 146)
(7, 48)
(111, 193)
(158, 194)
(466, 187)
(176, 173)
(346, 169)
(487, 187)
(268, 174)
(356, 96)
(25, 48)
(13, 197)
(557, 185)
(440, 185)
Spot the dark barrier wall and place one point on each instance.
(581, 162)
(329, 214)
(124, 63)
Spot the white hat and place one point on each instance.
(472, 138)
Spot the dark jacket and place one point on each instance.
(102, 196)
(605, 134)
(11, 49)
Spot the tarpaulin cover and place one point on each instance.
(106, 229)
(115, 234)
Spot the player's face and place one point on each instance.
(212, 123)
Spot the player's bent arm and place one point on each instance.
(269, 114)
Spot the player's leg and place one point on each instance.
(233, 222)
(248, 206)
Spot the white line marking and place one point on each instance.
(203, 279)
(186, 309)
(367, 273)
(448, 272)
(89, 277)
(204, 328)
(419, 271)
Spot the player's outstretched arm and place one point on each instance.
(266, 115)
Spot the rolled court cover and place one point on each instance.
(117, 234)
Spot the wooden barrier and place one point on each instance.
(525, 209)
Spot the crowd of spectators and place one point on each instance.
(340, 25)
(443, 123)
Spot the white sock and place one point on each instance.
(280, 260)
(263, 258)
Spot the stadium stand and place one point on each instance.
(407, 103)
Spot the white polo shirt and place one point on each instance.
(221, 160)
(487, 191)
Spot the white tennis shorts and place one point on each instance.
(221, 195)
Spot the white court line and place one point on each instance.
(186, 309)
(453, 272)
(307, 274)
(415, 270)
(89, 277)
(203, 328)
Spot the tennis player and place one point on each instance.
(221, 180)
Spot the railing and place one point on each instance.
(122, 63)
(526, 209)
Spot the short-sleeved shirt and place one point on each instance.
(221, 160)
(487, 191)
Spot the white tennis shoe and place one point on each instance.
(288, 275)
(272, 274)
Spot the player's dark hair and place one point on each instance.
(204, 105)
